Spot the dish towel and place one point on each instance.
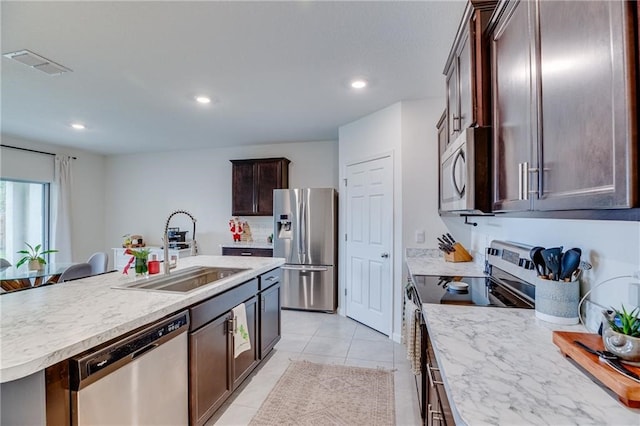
(241, 339)
(412, 335)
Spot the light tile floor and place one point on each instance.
(324, 338)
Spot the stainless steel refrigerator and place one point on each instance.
(306, 235)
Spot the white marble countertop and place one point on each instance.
(256, 245)
(500, 367)
(431, 262)
(42, 326)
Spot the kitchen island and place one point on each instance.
(500, 367)
(42, 326)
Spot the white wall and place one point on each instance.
(143, 189)
(420, 165)
(612, 247)
(87, 202)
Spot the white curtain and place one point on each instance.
(61, 230)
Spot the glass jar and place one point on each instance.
(141, 266)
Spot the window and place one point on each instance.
(24, 216)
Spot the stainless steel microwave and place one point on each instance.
(465, 172)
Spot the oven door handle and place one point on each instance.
(459, 190)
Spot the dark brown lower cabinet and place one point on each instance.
(209, 374)
(244, 364)
(438, 408)
(269, 319)
(214, 370)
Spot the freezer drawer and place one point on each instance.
(307, 287)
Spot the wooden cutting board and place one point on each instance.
(628, 390)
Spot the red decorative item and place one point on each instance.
(235, 226)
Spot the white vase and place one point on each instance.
(35, 265)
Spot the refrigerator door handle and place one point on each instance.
(299, 228)
(305, 268)
(303, 226)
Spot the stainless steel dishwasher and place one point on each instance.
(141, 379)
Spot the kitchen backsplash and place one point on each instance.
(261, 228)
(613, 248)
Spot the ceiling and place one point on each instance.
(276, 71)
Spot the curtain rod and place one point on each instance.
(31, 150)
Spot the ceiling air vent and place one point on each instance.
(36, 61)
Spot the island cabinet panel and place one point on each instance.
(270, 319)
(253, 182)
(244, 363)
(210, 376)
(215, 370)
(564, 106)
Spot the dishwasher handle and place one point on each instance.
(88, 368)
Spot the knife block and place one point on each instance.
(460, 254)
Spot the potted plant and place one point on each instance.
(34, 256)
(621, 334)
(140, 256)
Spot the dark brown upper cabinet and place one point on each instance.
(564, 105)
(467, 71)
(253, 182)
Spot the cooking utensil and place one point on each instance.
(447, 240)
(451, 238)
(536, 257)
(611, 360)
(552, 258)
(570, 262)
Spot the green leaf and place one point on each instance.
(21, 262)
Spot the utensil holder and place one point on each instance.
(460, 254)
(557, 301)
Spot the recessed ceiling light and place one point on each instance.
(78, 126)
(203, 99)
(359, 84)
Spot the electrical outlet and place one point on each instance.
(420, 237)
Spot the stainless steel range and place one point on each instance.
(507, 284)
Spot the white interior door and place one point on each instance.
(369, 243)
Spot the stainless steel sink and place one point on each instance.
(185, 280)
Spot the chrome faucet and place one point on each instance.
(193, 246)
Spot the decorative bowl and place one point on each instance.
(625, 347)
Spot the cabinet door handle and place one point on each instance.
(230, 326)
(271, 278)
(432, 380)
(525, 180)
(519, 181)
(245, 253)
(435, 415)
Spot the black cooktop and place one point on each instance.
(499, 290)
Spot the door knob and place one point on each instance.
(384, 255)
